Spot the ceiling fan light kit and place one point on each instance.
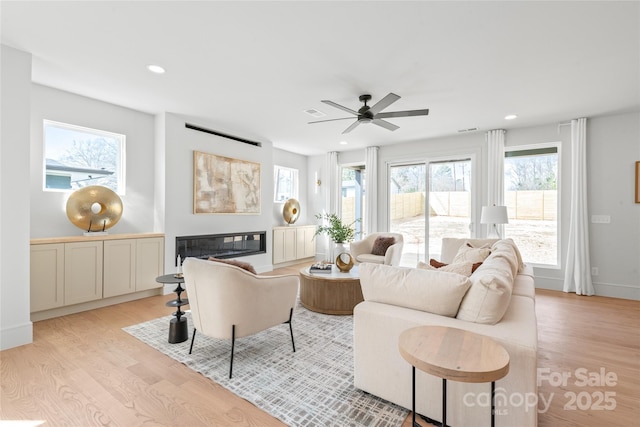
(373, 114)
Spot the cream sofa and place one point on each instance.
(497, 300)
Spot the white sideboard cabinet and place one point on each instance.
(292, 243)
(73, 274)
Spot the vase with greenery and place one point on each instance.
(338, 231)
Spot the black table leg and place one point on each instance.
(444, 402)
(493, 404)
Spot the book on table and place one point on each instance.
(322, 268)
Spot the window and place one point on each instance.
(429, 201)
(285, 183)
(532, 199)
(76, 157)
(353, 194)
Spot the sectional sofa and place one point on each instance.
(496, 300)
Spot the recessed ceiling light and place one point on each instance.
(510, 117)
(156, 69)
(343, 142)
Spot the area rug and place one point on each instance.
(311, 387)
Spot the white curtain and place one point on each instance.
(577, 275)
(333, 185)
(333, 199)
(371, 196)
(495, 176)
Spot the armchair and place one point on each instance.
(361, 250)
(228, 302)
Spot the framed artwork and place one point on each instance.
(637, 182)
(223, 185)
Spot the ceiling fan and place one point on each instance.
(373, 114)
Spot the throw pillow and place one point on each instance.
(464, 268)
(467, 253)
(405, 287)
(244, 265)
(381, 244)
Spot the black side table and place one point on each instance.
(178, 330)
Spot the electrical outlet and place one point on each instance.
(595, 271)
(601, 219)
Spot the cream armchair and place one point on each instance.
(228, 302)
(361, 250)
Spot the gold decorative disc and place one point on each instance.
(291, 211)
(94, 208)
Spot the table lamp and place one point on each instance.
(494, 215)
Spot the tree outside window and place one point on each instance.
(77, 157)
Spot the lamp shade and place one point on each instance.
(494, 215)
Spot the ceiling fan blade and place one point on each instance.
(331, 120)
(385, 124)
(402, 114)
(351, 127)
(333, 104)
(384, 103)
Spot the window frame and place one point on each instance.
(541, 146)
(120, 158)
(295, 192)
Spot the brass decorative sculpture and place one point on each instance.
(291, 211)
(343, 265)
(94, 208)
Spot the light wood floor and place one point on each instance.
(83, 370)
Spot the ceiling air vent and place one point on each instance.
(467, 130)
(314, 113)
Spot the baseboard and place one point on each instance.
(91, 305)
(16, 336)
(603, 289)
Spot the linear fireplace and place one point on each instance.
(227, 245)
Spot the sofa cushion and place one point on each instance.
(381, 244)
(467, 253)
(451, 245)
(244, 265)
(376, 259)
(425, 290)
(491, 286)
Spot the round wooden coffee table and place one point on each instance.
(330, 293)
(453, 354)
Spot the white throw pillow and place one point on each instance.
(425, 290)
(464, 268)
(472, 255)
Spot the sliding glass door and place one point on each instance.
(449, 202)
(407, 204)
(429, 201)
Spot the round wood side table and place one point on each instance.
(453, 354)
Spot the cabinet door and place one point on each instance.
(278, 246)
(119, 267)
(47, 276)
(305, 245)
(290, 244)
(149, 262)
(82, 272)
(309, 241)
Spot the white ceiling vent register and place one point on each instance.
(314, 113)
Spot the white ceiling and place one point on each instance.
(251, 68)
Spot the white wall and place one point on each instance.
(15, 324)
(48, 208)
(179, 218)
(299, 162)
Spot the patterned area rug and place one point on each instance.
(311, 387)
